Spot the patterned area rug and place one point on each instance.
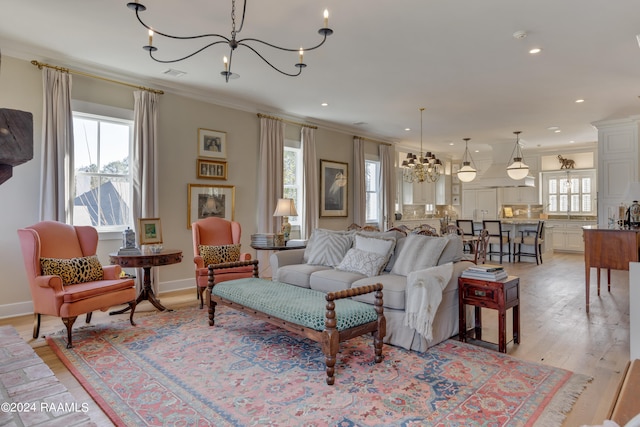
(174, 369)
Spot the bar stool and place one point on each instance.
(497, 237)
(530, 238)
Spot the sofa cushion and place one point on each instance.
(328, 248)
(298, 274)
(219, 254)
(73, 270)
(453, 250)
(394, 287)
(394, 255)
(417, 253)
(333, 280)
(363, 262)
(319, 235)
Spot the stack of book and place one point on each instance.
(489, 272)
(263, 239)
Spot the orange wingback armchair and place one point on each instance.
(59, 241)
(215, 231)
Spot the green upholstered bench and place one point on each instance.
(327, 318)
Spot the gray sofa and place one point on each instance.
(324, 265)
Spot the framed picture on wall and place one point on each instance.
(333, 188)
(212, 143)
(206, 200)
(211, 169)
(454, 173)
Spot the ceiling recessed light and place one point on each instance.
(571, 142)
(578, 101)
(557, 131)
(324, 104)
(407, 129)
(451, 143)
(535, 50)
(553, 127)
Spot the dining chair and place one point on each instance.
(533, 238)
(499, 237)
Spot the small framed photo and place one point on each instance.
(454, 173)
(206, 200)
(150, 231)
(333, 188)
(212, 143)
(455, 189)
(211, 169)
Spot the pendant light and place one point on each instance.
(518, 169)
(467, 173)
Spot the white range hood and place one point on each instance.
(496, 177)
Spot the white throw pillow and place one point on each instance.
(380, 245)
(453, 251)
(329, 248)
(417, 253)
(363, 262)
(319, 234)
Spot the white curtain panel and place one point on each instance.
(310, 186)
(387, 180)
(359, 190)
(270, 181)
(144, 165)
(57, 146)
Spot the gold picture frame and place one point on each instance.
(150, 231)
(211, 169)
(204, 200)
(212, 143)
(334, 183)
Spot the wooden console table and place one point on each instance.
(146, 260)
(609, 249)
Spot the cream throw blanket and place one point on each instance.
(424, 294)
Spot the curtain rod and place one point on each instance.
(373, 140)
(81, 73)
(286, 121)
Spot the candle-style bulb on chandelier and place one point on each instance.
(423, 167)
(250, 43)
(518, 169)
(467, 172)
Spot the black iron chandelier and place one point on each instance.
(232, 42)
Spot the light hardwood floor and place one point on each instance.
(555, 330)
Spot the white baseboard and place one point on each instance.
(26, 307)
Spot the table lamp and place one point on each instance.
(285, 208)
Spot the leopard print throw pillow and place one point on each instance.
(73, 270)
(219, 254)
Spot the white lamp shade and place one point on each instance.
(517, 170)
(467, 173)
(285, 207)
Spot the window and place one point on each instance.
(102, 183)
(570, 192)
(292, 178)
(372, 189)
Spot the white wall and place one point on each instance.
(179, 120)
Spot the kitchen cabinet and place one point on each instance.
(443, 190)
(520, 196)
(567, 235)
(418, 193)
(479, 204)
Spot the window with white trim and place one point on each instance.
(101, 173)
(372, 190)
(570, 192)
(292, 180)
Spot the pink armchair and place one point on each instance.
(215, 231)
(50, 239)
